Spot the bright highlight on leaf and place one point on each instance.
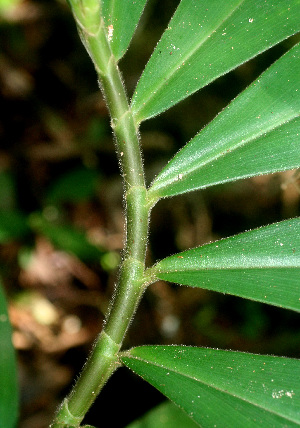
(206, 39)
(219, 388)
(121, 18)
(262, 265)
(266, 135)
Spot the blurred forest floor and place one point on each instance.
(61, 214)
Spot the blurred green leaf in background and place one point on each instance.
(9, 389)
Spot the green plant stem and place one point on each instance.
(103, 360)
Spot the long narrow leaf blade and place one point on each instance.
(223, 388)
(258, 133)
(121, 18)
(206, 39)
(8, 377)
(166, 415)
(262, 264)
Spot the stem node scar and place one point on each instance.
(103, 360)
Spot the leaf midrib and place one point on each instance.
(225, 268)
(112, 9)
(197, 166)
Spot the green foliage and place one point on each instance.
(8, 376)
(79, 184)
(74, 186)
(265, 139)
(220, 35)
(13, 225)
(66, 238)
(165, 415)
(261, 265)
(8, 191)
(256, 390)
(7, 5)
(258, 133)
(121, 19)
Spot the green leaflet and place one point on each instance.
(121, 18)
(206, 39)
(219, 388)
(166, 415)
(262, 264)
(8, 378)
(265, 139)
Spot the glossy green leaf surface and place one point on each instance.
(121, 18)
(166, 415)
(206, 39)
(8, 376)
(219, 388)
(262, 264)
(257, 133)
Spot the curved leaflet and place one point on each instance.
(262, 264)
(121, 19)
(219, 388)
(206, 39)
(265, 139)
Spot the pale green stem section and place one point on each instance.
(103, 360)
